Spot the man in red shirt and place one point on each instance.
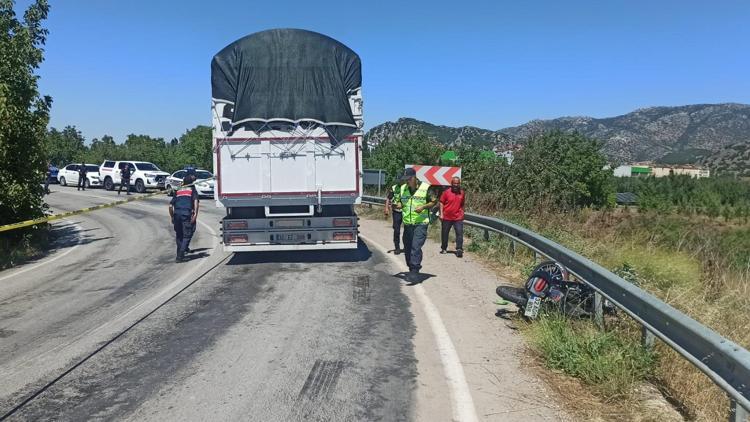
(452, 215)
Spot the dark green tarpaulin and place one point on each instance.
(287, 75)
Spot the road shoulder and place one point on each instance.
(490, 352)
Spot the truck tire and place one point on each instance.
(139, 186)
(170, 191)
(108, 184)
(63, 182)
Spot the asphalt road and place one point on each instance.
(90, 331)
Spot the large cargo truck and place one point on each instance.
(287, 141)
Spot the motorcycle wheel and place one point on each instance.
(516, 295)
(554, 269)
(578, 303)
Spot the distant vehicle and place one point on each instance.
(204, 182)
(287, 147)
(53, 171)
(68, 175)
(143, 175)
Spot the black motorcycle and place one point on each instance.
(550, 288)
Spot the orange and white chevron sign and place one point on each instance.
(436, 175)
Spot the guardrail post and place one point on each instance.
(598, 309)
(647, 338)
(512, 248)
(536, 257)
(737, 413)
(486, 235)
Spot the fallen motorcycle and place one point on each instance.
(550, 288)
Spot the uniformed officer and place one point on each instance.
(393, 198)
(82, 171)
(184, 212)
(415, 201)
(124, 178)
(193, 178)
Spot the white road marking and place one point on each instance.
(461, 400)
(49, 261)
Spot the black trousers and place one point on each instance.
(445, 231)
(398, 218)
(81, 182)
(183, 230)
(414, 237)
(126, 184)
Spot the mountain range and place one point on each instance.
(677, 135)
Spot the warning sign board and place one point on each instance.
(436, 175)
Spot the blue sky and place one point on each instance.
(142, 66)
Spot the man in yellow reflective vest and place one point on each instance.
(415, 200)
(391, 200)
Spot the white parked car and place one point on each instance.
(68, 175)
(143, 175)
(204, 183)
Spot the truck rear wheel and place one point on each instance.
(108, 184)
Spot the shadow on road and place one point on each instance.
(192, 255)
(361, 254)
(68, 236)
(421, 278)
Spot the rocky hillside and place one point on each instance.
(731, 160)
(644, 134)
(446, 135)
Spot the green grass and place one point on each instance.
(608, 362)
(20, 246)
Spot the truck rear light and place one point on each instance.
(342, 222)
(234, 225)
(237, 238)
(343, 236)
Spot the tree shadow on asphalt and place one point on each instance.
(361, 254)
(421, 278)
(67, 236)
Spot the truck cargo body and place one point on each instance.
(286, 190)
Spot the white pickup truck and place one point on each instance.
(287, 141)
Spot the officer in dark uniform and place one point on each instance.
(192, 178)
(82, 171)
(184, 212)
(47, 176)
(124, 178)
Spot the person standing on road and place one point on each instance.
(192, 178)
(47, 176)
(392, 198)
(82, 171)
(415, 202)
(452, 203)
(124, 178)
(183, 209)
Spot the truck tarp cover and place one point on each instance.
(287, 74)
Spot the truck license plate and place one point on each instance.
(291, 237)
(532, 307)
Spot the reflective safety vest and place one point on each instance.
(396, 189)
(183, 199)
(410, 202)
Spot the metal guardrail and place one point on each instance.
(723, 361)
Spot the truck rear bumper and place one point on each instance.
(300, 247)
